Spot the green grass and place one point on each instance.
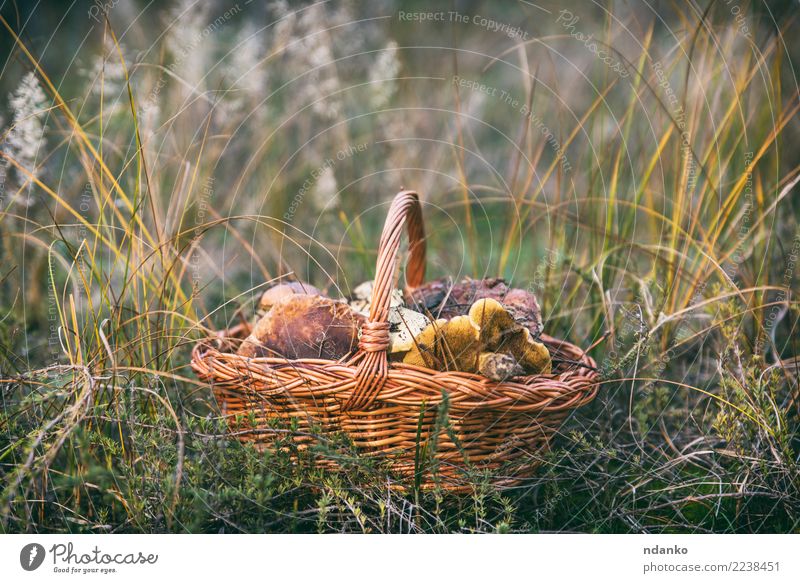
(150, 229)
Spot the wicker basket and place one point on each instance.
(390, 408)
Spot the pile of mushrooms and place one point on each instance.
(473, 326)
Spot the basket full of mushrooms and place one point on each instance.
(378, 367)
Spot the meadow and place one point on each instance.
(633, 164)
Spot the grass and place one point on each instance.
(171, 186)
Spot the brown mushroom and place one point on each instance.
(282, 291)
(524, 307)
(305, 326)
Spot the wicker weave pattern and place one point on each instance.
(387, 407)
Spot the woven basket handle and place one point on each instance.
(374, 342)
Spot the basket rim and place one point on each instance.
(573, 385)
(584, 361)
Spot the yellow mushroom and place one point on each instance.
(486, 340)
(533, 356)
(459, 345)
(423, 351)
(493, 320)
(500, 333)
(446, 345)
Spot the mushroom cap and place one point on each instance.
(430, 296)
(305, 326)
(278, 293)
(501, 333)
(404, 326)
(423, 350)
(460, 345)
(524, 306)
(532, 355)
(493, 320)
(446, 345)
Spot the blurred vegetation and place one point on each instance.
(161, 167)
